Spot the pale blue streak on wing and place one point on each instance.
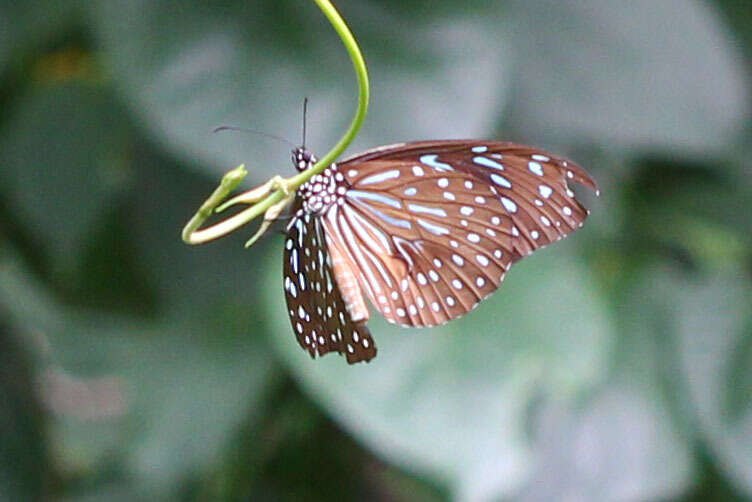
(388, 201)
(430, 160)
(500, 180)
(434, 229)
(416, 208)
(392, 221)
(377, 178)
(484, 161)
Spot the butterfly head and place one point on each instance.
(302, 159)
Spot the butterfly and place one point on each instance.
(425, 230)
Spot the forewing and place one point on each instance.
(434, 226)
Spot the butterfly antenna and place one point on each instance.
(251, 131)
(305, 110)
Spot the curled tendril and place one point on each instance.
(272, 197)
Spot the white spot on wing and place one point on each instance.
(430, 160)
(434, 229)
(509, 204)
(483, 161)
(379, 177)
(417, 208)
(500, 180)
(294, 260)
(535, 168)
(376, 197)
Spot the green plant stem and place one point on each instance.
(363, 91)
(282, 187)
(229, 183)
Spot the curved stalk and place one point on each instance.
(275, 190)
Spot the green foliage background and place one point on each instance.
(616, 365)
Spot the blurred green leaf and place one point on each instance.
(188, 70)
(123, 492)
(294, 431)
(189, 278)
(25, 26)
(63, 155)
(713, 336)
(712, 190)
(722, 205)
(24, 466)
(187, 397)
(543, 393)
(453, 402)
(621, 446)
(739, 17)
(177, 390)
(684, 340)
(641, 73)
(629, 440)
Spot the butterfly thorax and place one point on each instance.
(322, 190)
